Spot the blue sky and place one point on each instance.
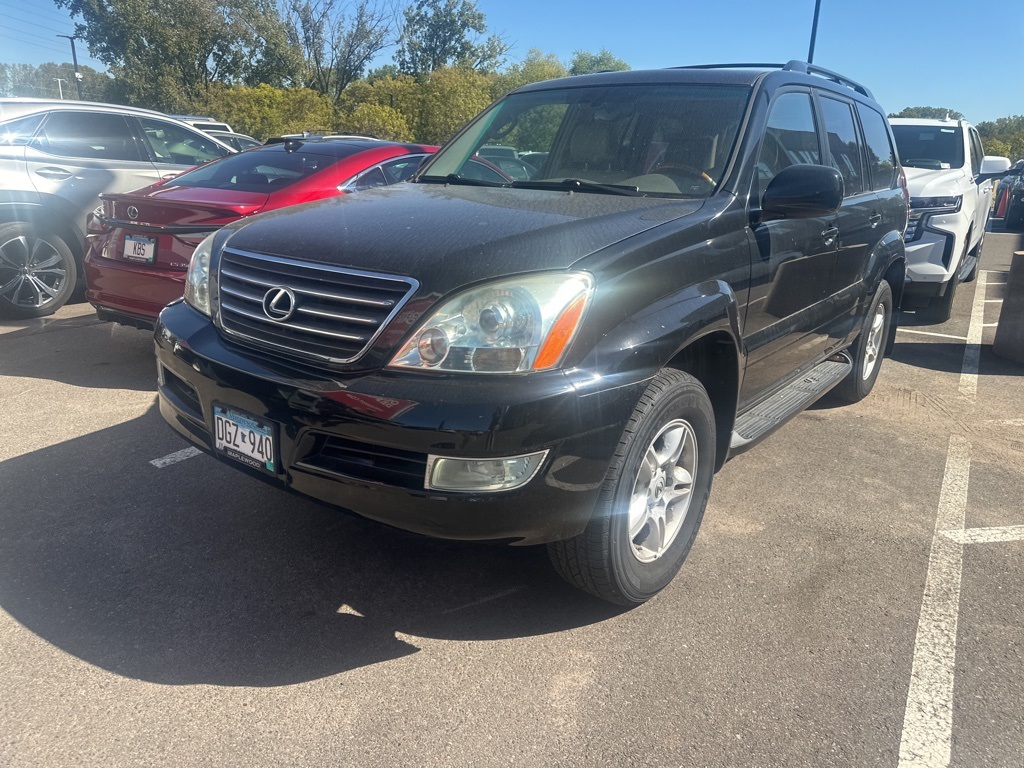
(903, 50)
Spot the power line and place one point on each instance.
(22, 33)
(47, 45)
(35, 23)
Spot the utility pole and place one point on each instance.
(814, 32)
(60, 87)
(78, 75)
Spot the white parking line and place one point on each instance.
(928, 719)
(174, 458)
(972, 353)
(986, 535)
(932, 333)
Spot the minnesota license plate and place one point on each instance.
(244, 437)
(138, 248)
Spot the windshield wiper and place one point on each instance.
(580, 185)
(454, 178)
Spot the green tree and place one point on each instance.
(166, 53)
(339, 39)
(449, 99)
(41, 81)
(585, 62)
(380, 121)
(930, 113)
(537, 66)
(445, 33)
(264, 111)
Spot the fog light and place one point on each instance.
(504, 474)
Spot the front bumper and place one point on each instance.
(361, 440)
(932, 252)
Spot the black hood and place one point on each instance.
(449, 236)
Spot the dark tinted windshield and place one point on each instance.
(261, 170)
(662, 140)
(930, 146)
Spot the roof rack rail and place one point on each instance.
(813, 69)
(794, 65)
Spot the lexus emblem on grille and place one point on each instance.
(279, 303)
(133, 212)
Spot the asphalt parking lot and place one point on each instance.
(854, 598)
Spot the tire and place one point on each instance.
(973, 274)
(672, 427)
(37, 271)
(869, 349)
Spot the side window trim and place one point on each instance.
(977, 149)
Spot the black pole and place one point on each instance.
(814, 32)
(78, 77)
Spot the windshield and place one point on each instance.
(262, 170)
(936, 147)
(654, 140)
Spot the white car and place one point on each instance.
(950, 183)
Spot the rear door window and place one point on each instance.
(881, 159)
(20, 131)
(94, 135)
(844, 143)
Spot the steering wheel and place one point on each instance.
(687, 170)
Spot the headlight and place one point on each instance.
(197, 281)
(518, 324)
(950, 204)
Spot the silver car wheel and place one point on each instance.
(663, 491)
(873, 345)
(31, 271)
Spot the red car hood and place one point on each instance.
(158, 206)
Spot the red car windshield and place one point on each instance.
(263, 170)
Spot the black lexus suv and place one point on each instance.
(559, 342)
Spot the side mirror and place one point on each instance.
(993, 167)
(802, 192)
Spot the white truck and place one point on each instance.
(950, 183)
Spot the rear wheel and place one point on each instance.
(37, 271)
(653, 497)
(869, 349)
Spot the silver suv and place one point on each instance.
(56, 157)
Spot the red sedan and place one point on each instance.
(140, 243)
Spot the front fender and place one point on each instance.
(643, 344)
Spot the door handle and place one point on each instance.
(829, 235)
(54, 174)
(875, 219)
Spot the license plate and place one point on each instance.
(138, 248)
(245, 438)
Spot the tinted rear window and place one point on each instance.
(263, 170)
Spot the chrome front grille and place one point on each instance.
(336, 313)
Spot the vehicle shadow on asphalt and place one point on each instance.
(95, 355)
(197, 574)
(949, 358)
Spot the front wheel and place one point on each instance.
(37, 271)
(653, 497)
(869, 349)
